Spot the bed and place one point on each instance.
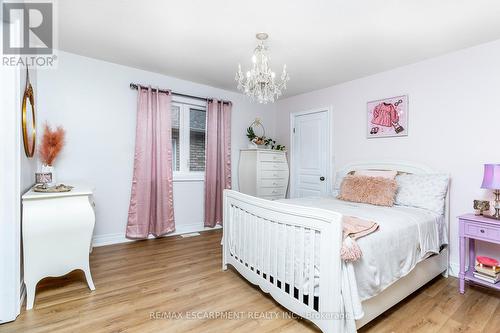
(291, 250)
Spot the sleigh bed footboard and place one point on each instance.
(282, 248)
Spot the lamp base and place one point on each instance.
(496, 216)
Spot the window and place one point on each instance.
(188, 139)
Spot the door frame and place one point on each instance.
(329, 147)
(10, 194)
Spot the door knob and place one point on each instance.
(322, 178)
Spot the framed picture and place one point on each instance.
(43, 177)
(387, 117)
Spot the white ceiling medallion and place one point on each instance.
(260, 82)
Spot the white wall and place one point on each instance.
(92, 100)
(454, 118)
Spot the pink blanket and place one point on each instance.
(354, 228)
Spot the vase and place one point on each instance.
(47, 169)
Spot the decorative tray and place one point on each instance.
(52, 189)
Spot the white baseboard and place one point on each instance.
(454, 269)
(108, 239)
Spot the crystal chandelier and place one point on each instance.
(260, 82)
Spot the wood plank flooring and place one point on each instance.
(163, 285)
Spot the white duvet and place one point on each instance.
(405, 237)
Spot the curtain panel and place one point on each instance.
(151, 209)
(218, 159)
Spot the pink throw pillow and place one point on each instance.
(372, 190)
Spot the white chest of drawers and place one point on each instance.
(57, 233)
(263, 173)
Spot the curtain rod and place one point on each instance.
(137, 86)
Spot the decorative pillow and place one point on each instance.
(372, 190)
(389, 174)
(426, 191)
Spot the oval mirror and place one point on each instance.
(28, 121)
(258, 128)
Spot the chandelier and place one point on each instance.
(260, 82)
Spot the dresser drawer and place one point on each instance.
(273, 166)
(279, 182)
(272, 191)
(269, 174)
(272, 157)
(478, 230)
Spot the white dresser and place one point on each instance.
(263, 173)
(57, 233)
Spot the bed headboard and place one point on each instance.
(404, 167)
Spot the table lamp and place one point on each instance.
(491, 181)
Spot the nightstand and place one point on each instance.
(475, 227)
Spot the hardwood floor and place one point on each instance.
(148, 286)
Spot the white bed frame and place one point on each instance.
(257, 228)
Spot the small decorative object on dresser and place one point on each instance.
(491, 180)
(256, 139)
(51, 146)
(473, 227)
(481, 206)
(263, 173)
(43, 178)
(57, 232)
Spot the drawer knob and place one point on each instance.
(482, 231)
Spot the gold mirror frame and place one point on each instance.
(28, 94)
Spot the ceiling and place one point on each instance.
(322, 42)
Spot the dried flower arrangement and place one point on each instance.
(52, 144)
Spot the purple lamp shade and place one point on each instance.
(491, 178)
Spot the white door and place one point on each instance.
(310, 154)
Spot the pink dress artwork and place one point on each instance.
(385, 114)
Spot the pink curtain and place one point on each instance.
(218, 159)
(151, 209)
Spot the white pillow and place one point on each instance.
(426, 191)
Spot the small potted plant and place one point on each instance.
(271, 144)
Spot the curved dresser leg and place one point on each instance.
(30, 295)
(86, 270)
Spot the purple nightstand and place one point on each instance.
(475, 227)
